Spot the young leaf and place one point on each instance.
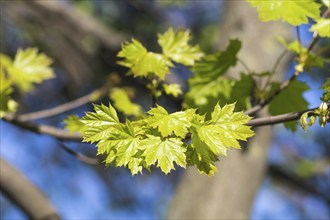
(172, 89)
(207, 86)
(291, 11)
(175, 46)
(73, 124)
(177, 123)
(123, 103)
(141, 62)
(231, 125)
(289, 100)
(165, 152)
(27, 68)
(100, 124)
(306, 59)
(122, 147)
(199, 154)
(214, 137)
(322, 27)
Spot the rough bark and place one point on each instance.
(24, 194)
(230, 193)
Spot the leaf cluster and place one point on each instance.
(162, 139)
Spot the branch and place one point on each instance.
(296, 181)
(44, 129)
(95, 95)
(80, 156)
(271, 120)
(24, 194)
(265, 102)
(81, 21)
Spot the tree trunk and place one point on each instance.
(230, 193)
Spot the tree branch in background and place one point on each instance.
(296, 181)
(84, 22)
(93, 96)
(44, 129)
(80, 156)
(24, 194)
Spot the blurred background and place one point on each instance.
(83, 38)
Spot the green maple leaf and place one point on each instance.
(289, 100)
(199, 154)
(291, 11)
(122, 102)
(177, 123)
(141, 62)
(208, 86)
(172, 89)
(100, 124)
(175, 46)
(165, 152)
(122, 147)
(27, 68)
(322, 27)
(73, 124)
(216, 136)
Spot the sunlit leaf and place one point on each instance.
(177, 123)
(207, 86)
(215, 137)
(141, 62)
(322, 27)
(175, 46)
(292, 11)
(100, 124)
(165, 152)
(28, 67)
(122, 102)
(172, 89)
(73, 124)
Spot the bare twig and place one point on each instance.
(95, 95)
(44, 129)
(24, 194)
(265, 102)
(277, 172)
(244, 65)
(80, 156)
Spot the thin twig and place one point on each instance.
(80, 156)
(277, 62)
(44, 129)
(95, 95)
(245, 66)
(265, 102)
